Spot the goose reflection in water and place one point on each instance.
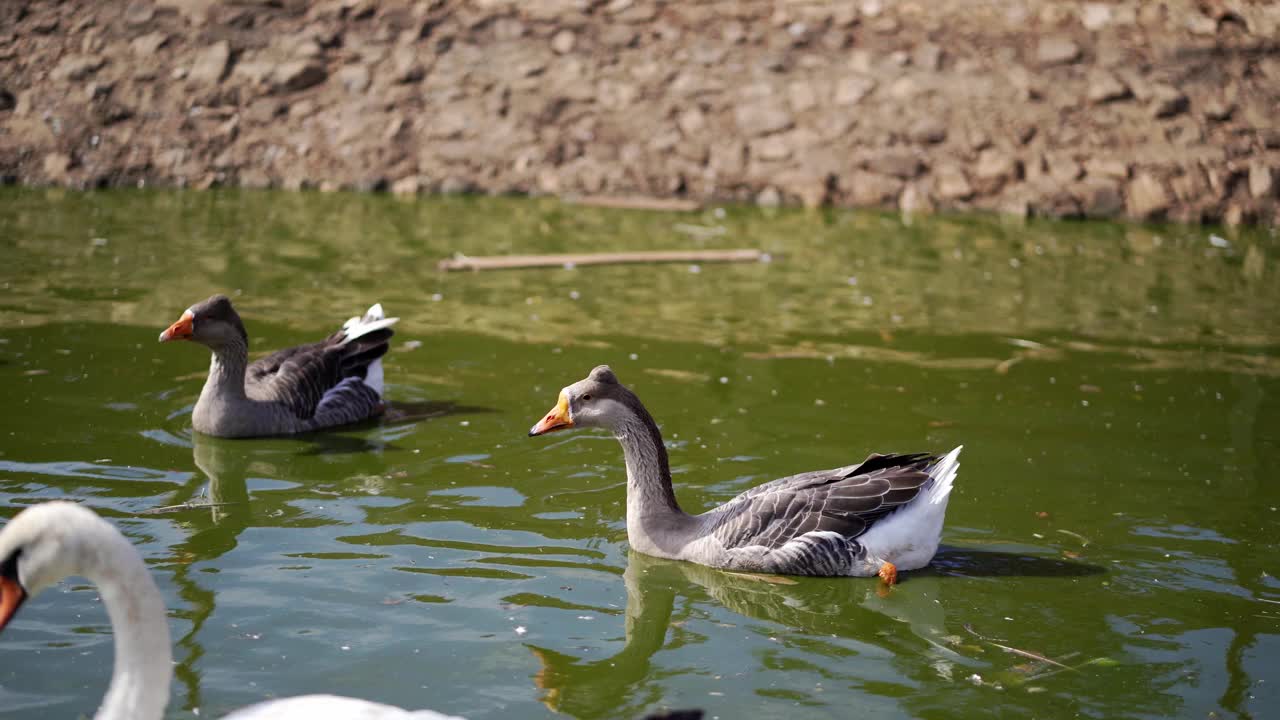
(817, 607)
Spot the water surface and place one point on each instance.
(1117, 390)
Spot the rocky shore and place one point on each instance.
(1140, 109)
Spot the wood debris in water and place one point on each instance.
(636, 202)
(570, 260)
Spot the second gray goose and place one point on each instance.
(333, 382)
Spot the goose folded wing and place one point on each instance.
(297, 377)
(844, 500)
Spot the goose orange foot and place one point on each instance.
(888, 573)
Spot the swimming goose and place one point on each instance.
(336, 381)
(47, 542)
(875, 518)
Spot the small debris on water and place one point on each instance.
(521, 630)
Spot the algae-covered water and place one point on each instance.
(1110, 550)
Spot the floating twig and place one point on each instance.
(636, 202)
(569, 260)
(188, 506)
(1024, 653)
(1084, 541)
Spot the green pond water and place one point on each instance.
(1117, 390)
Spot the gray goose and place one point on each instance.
(333, 382)
(877, 517)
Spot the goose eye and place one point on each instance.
(586, 397)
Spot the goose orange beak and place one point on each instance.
(11, 598)
(180, 330)
(557, 419)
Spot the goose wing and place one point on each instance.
(297, 377)
(844, 500)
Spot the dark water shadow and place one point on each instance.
(334, 441)
(399, 412)
(971, 562)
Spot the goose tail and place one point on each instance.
(374, 320)
(943, 473)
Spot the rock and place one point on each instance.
(410, 185)
(915, 200)
(769, 197)
(355, 78)
(1095, 16)
(771, 148)
(562, 42)
(1219, 110)
(691, 122)
(1100, 199)
(1105, 168)
(7, 101)
(149, 44)
(811, 188)
(762, 118)
(995, 168)
(950, 183)
(210, 64)
(928, 131)
(803, 96)
(55, 166)
(1062, 168)
(728, 159)
(1167, 101)
(295, 75)
(896, 164)
(405, 65)
(1147, 198)
(139, 13)
(1105, 87)
(869, 189)
(928, 56)
(1057, 50)
(1202, 24)
(1261, 180)
(1051, 201)
(77, 67)
(849, 90)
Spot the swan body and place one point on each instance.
(47, 542)
(872, 518)
(336, 381)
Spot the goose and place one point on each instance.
(336, 381)
(877, 517)
(47, 542)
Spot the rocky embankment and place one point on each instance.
(1134, 108)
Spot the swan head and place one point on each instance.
(213, 323)
(597, 401)
(40, 546)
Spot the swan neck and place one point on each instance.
(143, 667)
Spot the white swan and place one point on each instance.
(47, 542)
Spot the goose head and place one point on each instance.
(213, 323)
(39, 547)
(596, 401)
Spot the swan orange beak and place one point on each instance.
(181, 330)
(557, 419)
(11, 598)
